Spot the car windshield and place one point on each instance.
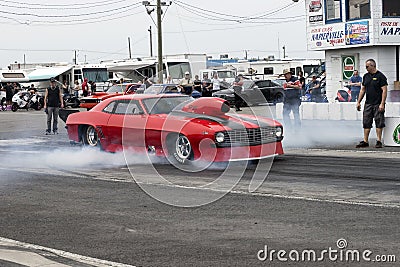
(164, 105)
(116, 88)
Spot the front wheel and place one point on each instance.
(90, 137)
(14, 107)
(180, 149)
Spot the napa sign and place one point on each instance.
(389, 30)
(331, 36)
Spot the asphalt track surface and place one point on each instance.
(58, 199)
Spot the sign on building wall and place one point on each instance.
(357, 33)
(314, 12)
(328, 36)
(389, 30)
(348, 66)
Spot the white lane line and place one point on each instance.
(61, 253)
(260, 194)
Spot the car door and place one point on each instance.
(254, 94)
(265, 90)
(126, 125)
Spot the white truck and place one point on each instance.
(224, 74)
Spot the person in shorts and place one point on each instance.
(374, 87)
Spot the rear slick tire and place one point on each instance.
(90, 137)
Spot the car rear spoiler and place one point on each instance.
(64, 113)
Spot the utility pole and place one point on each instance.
(159, 34)
(284, 52)
(129, 46)
(159, 43)
(75, 58)
(151, 42)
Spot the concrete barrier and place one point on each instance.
(335, 111)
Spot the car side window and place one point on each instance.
(110, 107)
(122, 108)
(134, 109)
(128, 108)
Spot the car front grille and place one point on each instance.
(250, 137)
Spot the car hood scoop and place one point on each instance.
(211, 106)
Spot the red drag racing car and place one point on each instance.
(176, 126)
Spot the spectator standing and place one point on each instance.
(52, 101)
(92, 86)
(291, 102)
(197, 83)
(17, 88)
(65, 88)
(9, 93)
(77, 87)
(215, 82)
(186, 84)
(315, 89)
(302, 82)
(355, 85)
(374, 87)
(206, 86)
(237, 91)
(85, 87)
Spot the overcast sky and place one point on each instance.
(50, 31)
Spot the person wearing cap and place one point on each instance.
(186, 84)
(291, 103)
(52, 101)
(85, 87)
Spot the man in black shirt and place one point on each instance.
(374, 86)
(52, 101)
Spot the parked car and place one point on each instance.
(159, 89)
(176, 126)
(165, 89)
(115, 90)
(254, 92)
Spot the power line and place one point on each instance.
(70, 15)
(114, 16)
(217, 16)
(98, 3)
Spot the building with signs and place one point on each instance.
(352, 31)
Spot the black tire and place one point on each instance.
(38, 106)
(14, 107)
(179, 149)
(3, 104)
(90, 137)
